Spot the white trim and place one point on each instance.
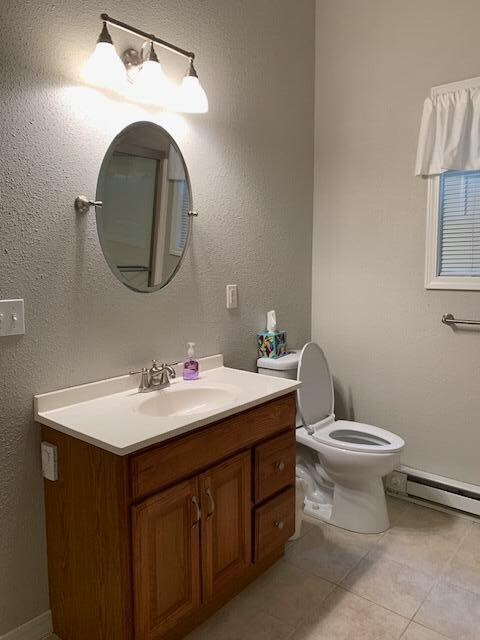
(454, 283)
(432, 280)
(470, 83)
(160, 224)
(36, 629)
(431, 249)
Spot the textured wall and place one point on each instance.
(396, 365)
(251, 165)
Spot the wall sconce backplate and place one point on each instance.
(131, 58)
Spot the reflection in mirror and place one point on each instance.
(144, 222)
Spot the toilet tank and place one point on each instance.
(284, 367)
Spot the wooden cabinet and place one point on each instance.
(147, 546)
(274, 523)
(274, 465)
(226, 523)
(161, 466)
(211, 512)
(166, 559)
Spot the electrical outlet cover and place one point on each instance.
(49, 461)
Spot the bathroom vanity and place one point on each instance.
(157, 520)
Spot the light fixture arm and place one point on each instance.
(148, 36)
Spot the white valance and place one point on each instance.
(449, 136)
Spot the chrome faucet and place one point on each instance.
(157, 377)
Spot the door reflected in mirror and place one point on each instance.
(144, 223)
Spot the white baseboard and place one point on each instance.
(36, 629)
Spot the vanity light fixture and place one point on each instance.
(191, 95)
(150, 84)
(104, 68)
(139, 74)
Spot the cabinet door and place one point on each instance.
(226, 523)
(166, 559)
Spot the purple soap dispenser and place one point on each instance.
(190, 366)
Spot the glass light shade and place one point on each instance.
(191, 96)
(152, 86)
(105, 69)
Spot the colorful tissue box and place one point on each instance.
(271, 344)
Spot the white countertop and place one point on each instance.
(109, 413)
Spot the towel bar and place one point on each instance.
(448, 318)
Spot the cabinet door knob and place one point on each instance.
(279, 524)
(199, 511)
(280, 466)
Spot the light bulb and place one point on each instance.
(150, 84)
(191, 96)
(104, 68)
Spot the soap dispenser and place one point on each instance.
(190, 366)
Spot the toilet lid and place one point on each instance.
(315, 396)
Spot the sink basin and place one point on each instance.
(187, 400)
(112, 415)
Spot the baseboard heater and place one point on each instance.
(436, 490)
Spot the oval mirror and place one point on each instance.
(144, 223)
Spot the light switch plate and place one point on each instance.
(49, 461)
(232, 296)
(12, 318)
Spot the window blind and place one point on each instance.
(185, 217)
(180, 218)
(459, 228)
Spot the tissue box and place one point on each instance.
(271, 344)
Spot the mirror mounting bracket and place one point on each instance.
(193, 214)
(82, 204)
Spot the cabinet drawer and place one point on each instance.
(185, 456)
(274, 523)
(274, 465)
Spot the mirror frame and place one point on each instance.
(98, 209)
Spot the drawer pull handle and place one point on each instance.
(199, 511)
(279, 524)
(280, 466)
(212, 503)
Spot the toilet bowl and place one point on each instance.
(342, 462)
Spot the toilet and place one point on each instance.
(341, 463)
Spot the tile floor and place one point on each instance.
(418, 581)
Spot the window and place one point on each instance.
(453, 231)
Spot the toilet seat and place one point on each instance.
(356, 436)
(315, 403)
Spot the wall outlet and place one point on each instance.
(12, 318)
(232, 296)
(49, 461)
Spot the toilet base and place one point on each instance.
(362, 509)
